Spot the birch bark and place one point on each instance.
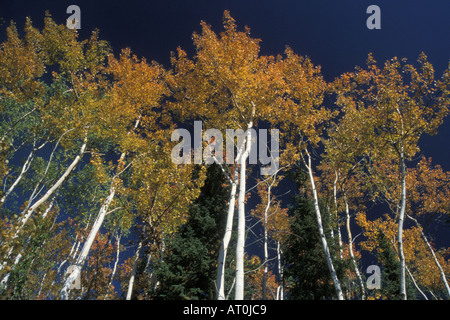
(133, 272)
(240, 245)
(441, 271)
(350, 249)
(220, 281)
(55, 186)
(400, 228)
(326, 250)
(76, 271)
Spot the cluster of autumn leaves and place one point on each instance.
(86, 143)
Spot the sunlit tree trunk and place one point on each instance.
(133, 272)
(25, 168)
(280, 289)
(350, 249)
(335, 210)
(441, 271)
(16, 123)
(113, 273)
(220, 282)
(401, 218)
(240, 244)
(326, 250)
(76, 271)
(64, 294)
(55, 186)
(44, 198)
(266, 240)
(266, 257)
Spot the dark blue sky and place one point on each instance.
(332, 33)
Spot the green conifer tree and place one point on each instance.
(307, 274)
(390, 273)
(188, 270)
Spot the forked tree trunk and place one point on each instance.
(25, 168)
(55, 186)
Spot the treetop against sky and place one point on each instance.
(136, 161)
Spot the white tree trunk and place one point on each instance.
(64, 294)
(266, 241)
(133, 272)
(240, 244)
(400, 228)
(25, 168)
(326, 250)
(220, 282)
(113, 273)
(15, 123)
(441, 271)
(280, 289)
(50, 191)
(350, 249)
(415, 283)
(341, 254)
(266, 259)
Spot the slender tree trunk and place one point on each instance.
(266, 240)
(350, 249)
(410, 274)
(40, 183)
(15, 123)
(326, 250)
(280, 289)
(25, 168)
(65, 291)
(19, 256)
(220, 282)
(441, 271)
(415, 284)
(335, 210)
(58, 183)
(113, 273)
(240, 245)
(133, 272)
(64, 294)
(266, 258)
(400, 228)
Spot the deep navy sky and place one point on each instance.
(332, 33)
